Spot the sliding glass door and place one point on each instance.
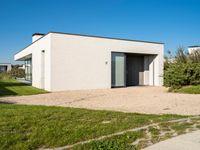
(118, 69)
(28, 69)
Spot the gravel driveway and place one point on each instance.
(151, 100)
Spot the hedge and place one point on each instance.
(180, 74)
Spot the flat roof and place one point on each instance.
(194, 46)
(38, 34)
(5, 63)
(94, 36)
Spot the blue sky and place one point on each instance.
(174, 22)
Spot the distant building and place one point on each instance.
(171, 60)
(5, 67)
(19, 66)
(192, 49)
(22, 66)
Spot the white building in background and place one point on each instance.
(5, 67)
(62, 61)
(192, 49)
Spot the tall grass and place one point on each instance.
(5, 76)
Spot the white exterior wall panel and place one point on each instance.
(34, 51)
(80, 62)
(74, 62)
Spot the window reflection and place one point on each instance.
(28, 69)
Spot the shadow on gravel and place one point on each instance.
(4, 102)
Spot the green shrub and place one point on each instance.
(183, 69)
(180, 74)
(174, 76)
(17, 73)
(193, 73)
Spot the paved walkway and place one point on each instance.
(150, 100)
(190, 141)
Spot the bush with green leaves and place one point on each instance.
(184, 70)
(17, 73)
(180, 74)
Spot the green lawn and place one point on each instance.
(192, 89)
(31, 127)
(13, 87)
(140, 139)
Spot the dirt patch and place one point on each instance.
(150, 100)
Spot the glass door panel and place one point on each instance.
(28, 69)
(118, 69)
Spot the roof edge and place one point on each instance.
(32, 42)
(104, 37)
(6, 63)
(37, 34)
(194, 46)
(44, 35)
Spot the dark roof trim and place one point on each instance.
(94, 36)
(38, 34)
(194, 46)
(87, 36)
(5, 63)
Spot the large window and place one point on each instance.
(3, 69)
(28, 69)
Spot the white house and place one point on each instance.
(62, 61)
(192, 49)
(5, 67)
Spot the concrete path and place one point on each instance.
(142, 99)
(190, 141)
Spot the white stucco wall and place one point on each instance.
(36, 37)
(193, 49)
(35, 50)
(80, 62)
(9, 66)
(73, 62)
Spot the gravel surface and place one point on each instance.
(150, 100)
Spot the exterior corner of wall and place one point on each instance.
(50, 63)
